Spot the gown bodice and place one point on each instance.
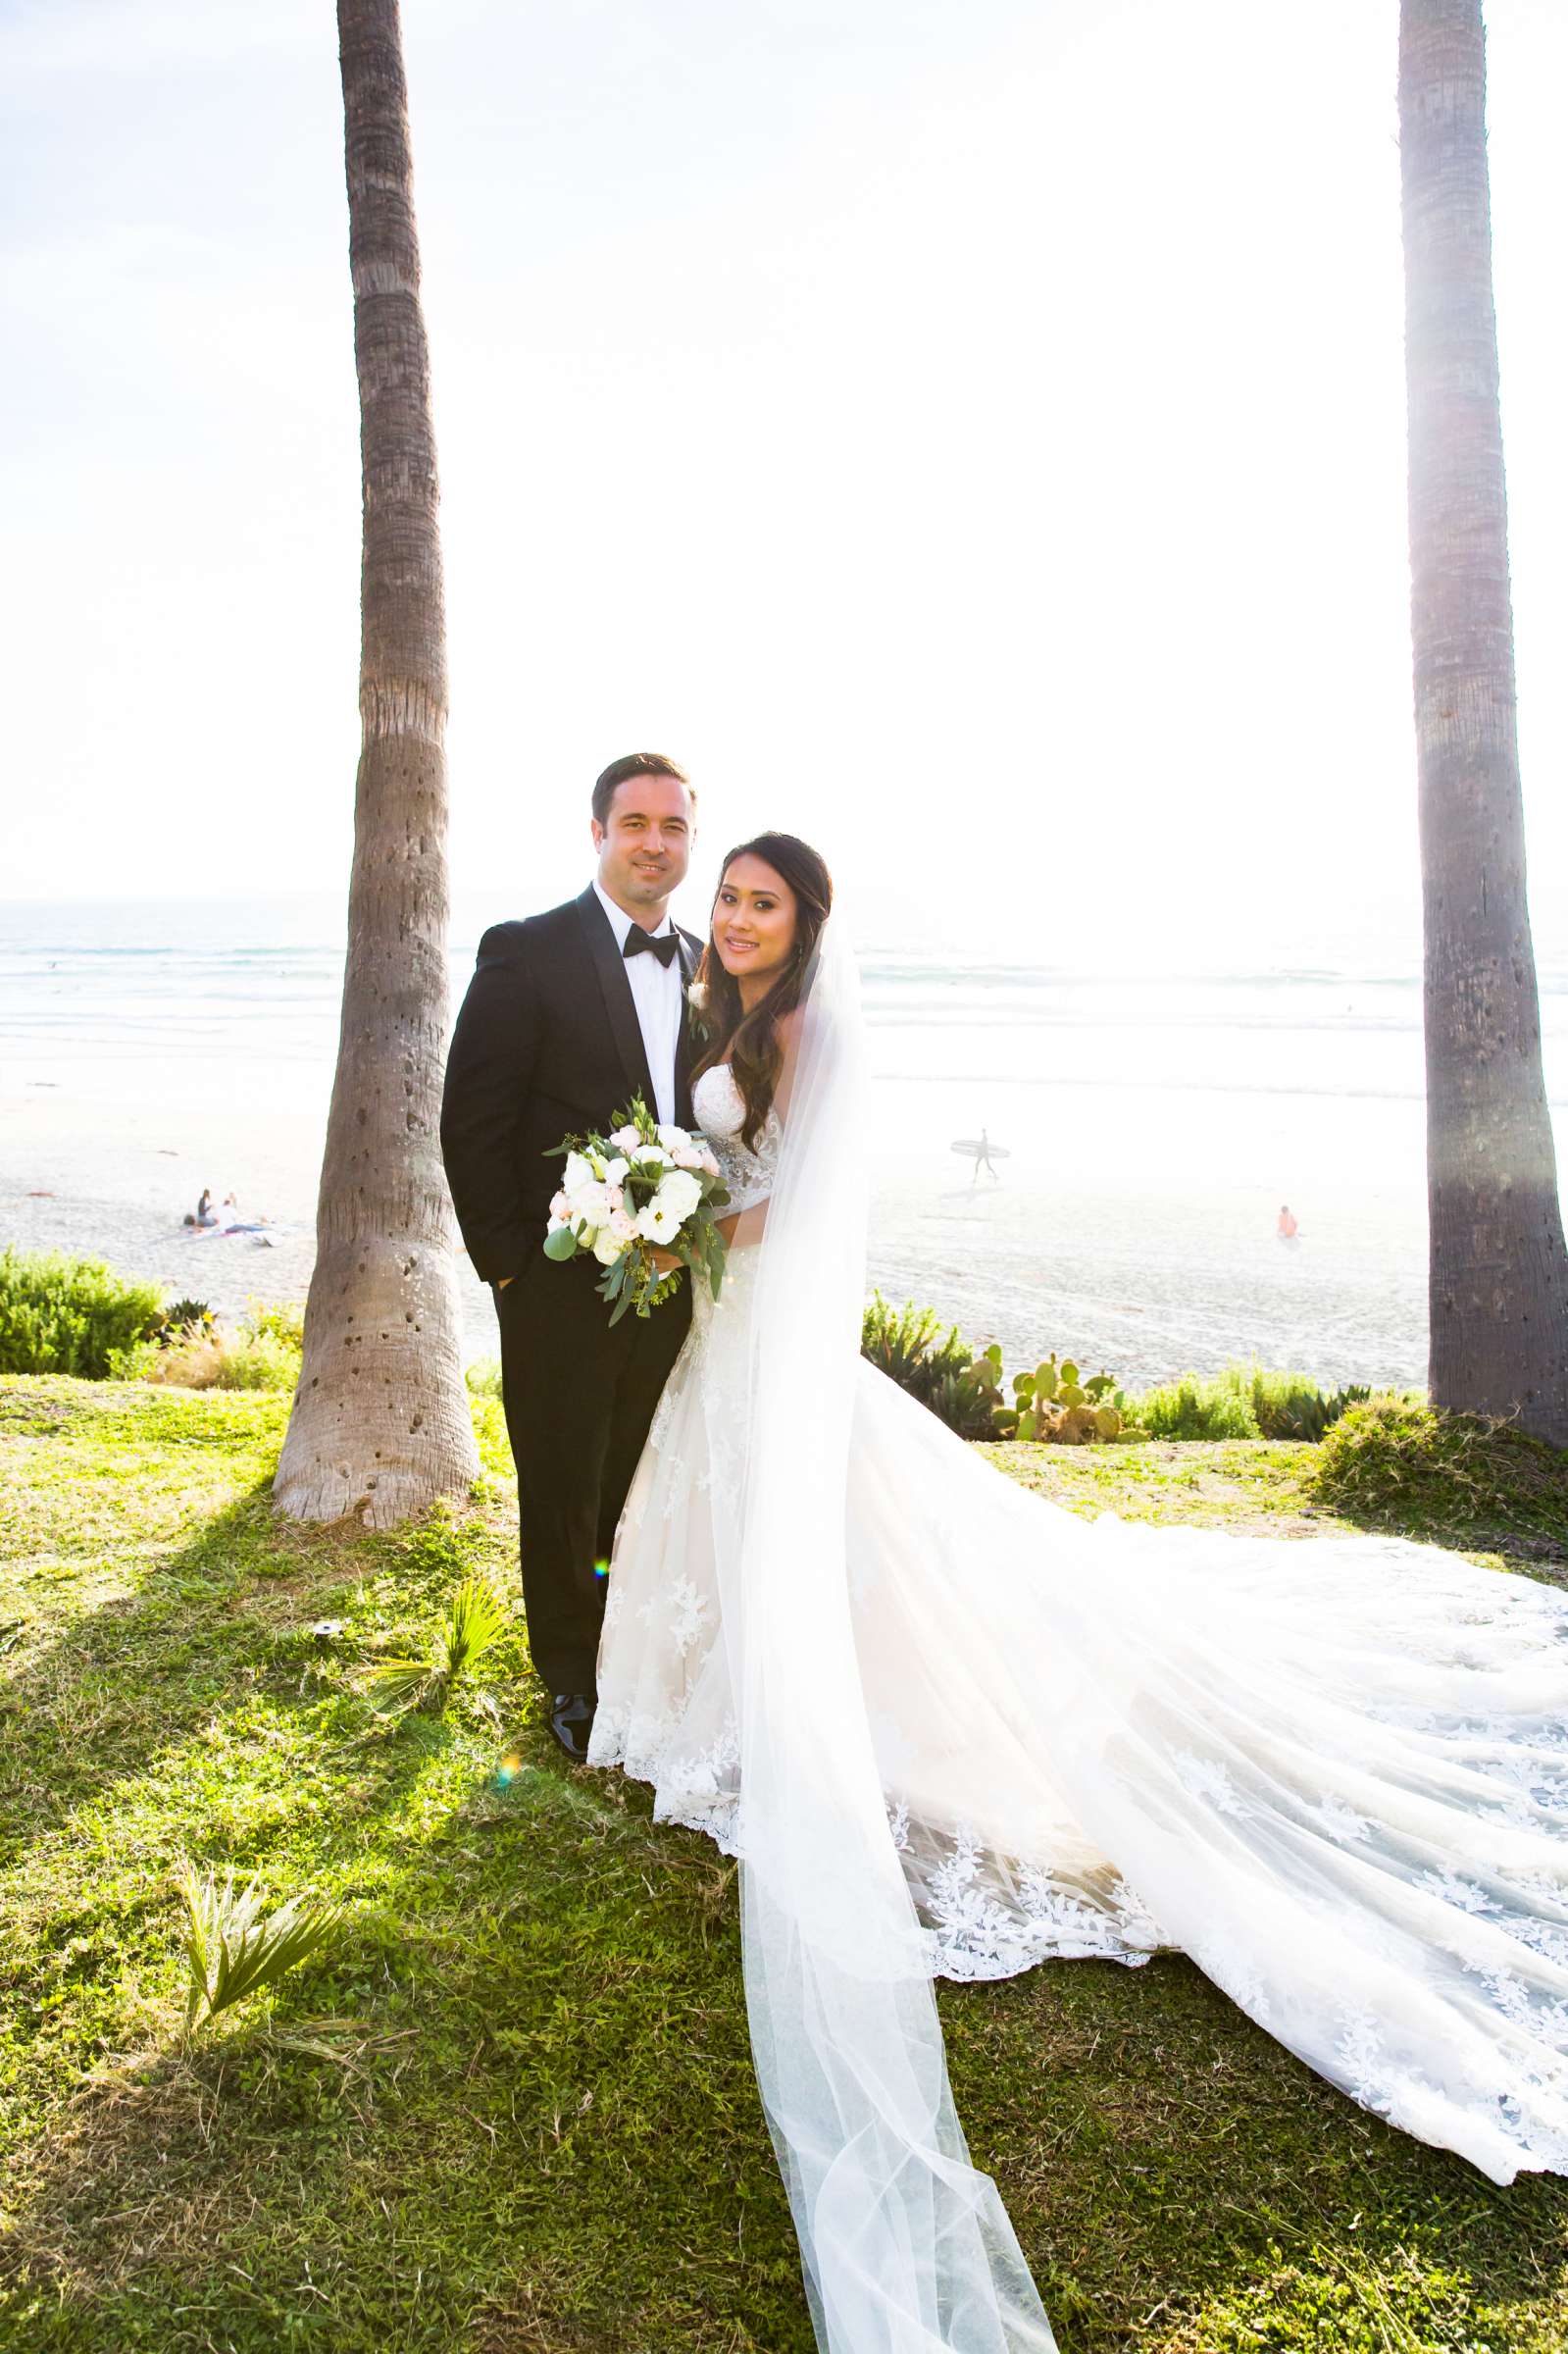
(720, 1108)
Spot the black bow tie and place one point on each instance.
(636, 941)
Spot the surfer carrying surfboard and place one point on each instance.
(982, 1148)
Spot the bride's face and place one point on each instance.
(753, 921)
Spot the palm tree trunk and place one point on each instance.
(382, 1422)
(1498, 1283)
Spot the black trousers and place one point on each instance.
(578, 1399)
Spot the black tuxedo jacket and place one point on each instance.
(546, 1044)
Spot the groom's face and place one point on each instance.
(646, 847)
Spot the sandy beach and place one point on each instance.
(114, 1180)
(1145, 1284)
(1150, 1130)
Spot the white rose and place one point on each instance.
(560, 1211)
(622, 1226)
(652, 1156)
(592, 1203)
(670, 1136)
(607, 1248)
(615, 1170)
(578, 1172)
(627, 1138)
(679, 1195)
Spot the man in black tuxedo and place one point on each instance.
(567, 1018)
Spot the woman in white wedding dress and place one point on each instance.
(952, 1728)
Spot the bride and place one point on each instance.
(950, 1728)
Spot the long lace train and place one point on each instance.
(1334, 1771)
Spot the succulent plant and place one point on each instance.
(1051, 1402)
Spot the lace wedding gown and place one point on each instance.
(1334, 1773)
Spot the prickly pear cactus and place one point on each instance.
(1054, 1404)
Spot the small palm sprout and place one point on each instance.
(234, 1949)
(476, 1618)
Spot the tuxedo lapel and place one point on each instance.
(622, 1014)
(686, 1041)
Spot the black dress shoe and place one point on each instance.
(571, 1721)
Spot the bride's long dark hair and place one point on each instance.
(748, 1042)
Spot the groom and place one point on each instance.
(567, 1018)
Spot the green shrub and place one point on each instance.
(1190, 1407)
(1242, 1401)
(909, 1346)
(1400, 1464)
(484, 1377)
(256, 1361)
(270, 1320)
(60, 1314)
(264, 1354)
(1284, 1405)
(1288, 1406)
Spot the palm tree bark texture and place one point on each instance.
(382, 1422)
(1499, 1282)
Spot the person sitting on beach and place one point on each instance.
(206, 1215)
(234, 1219)
(1285, 1229)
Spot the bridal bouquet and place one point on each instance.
(646, 1185)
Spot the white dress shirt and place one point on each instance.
(659, 996)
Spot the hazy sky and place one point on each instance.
(971, 435)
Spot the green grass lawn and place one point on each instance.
(513, 2113)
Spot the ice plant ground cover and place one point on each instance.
(513, 2106)
(648, 1184)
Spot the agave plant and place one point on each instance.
(476, 1618)
(235, 1949)
(184, 1319)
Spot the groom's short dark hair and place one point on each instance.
(634, 764)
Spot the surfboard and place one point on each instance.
(973, 1149)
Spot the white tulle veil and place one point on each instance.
(906, 2245)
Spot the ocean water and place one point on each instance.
(1148, 1130)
